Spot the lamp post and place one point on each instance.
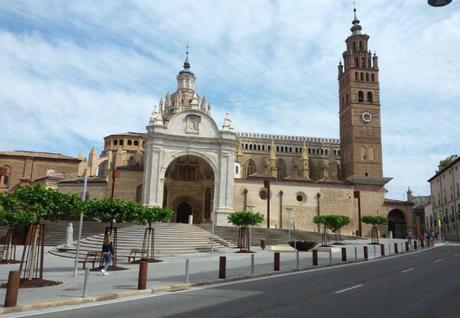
(83, 198)
(289, 210)
(357, 195)
(318, 196)
(250, 207)
(267, 186)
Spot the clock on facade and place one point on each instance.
(366, 117)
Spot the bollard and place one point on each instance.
(407, 246)
(422, 243)
(330, 256)
(142, 280)
(262, 244)
(315, 257)
(375, 251)
(356, 253)
(382, 250)
(252, 264)
(12, 289)
(366, 255)
(344, 254)
(276, 264)
(415, 245)
(297, 259)
(222, 266)
(187, 270)
(85, 282)
(396, 248)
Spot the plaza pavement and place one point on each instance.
(169, 275)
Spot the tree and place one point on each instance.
(150, 215)
(332, 222)
(27, 206)
(374, 220)
(245, 219)
(445, 162)
(113, 211)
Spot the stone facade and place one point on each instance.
(445, 194)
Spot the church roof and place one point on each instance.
(36, 154)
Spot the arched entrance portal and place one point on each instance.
(397, 224)
(182, 212)
(189, 189)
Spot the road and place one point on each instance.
(425, 284)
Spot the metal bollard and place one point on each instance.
(297, 259)
(396, 248)
(85, 282)
(314, 254)
(222, 266)
(187, 270)
(382, 249)
(407, 246)
(415, 244)
(356, 253)
(252, 264)
(344, 254)
(276, 264)
(12, 289)
(366, 254)
(262, 244)
(330, 256)
(142, 279)
(375, 251)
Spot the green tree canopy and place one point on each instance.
(374, 219)
(155, 214)
(445, 162)
(110, 210)
(28, 204)
(245, 218)
(332, 222)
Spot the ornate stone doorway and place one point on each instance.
(183, 211)
(189, 189)
(397, 224)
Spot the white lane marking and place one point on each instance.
(438, 260)
(456, 254)
(408, 270)
(347, 289)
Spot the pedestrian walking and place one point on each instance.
(409, 237)
(107, 252)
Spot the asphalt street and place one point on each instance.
(425, 284)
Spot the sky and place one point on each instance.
(72, 72)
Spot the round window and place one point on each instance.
(301, 197)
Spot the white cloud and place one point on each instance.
(73, 72)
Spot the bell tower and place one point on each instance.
(359, 100)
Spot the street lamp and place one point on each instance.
(83, 198)
(439, 3)
(289, 210)
(250, 207)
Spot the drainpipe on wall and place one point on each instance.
(281, 209)
(318, 212)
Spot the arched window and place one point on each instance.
(363, 153)
(5, 173)
(250, 168)
(277, 148)
(263, 147)
(360, 96)
(372, 77)
(281, 169)
(130, 142)
(121, 142)
(370, 153)
(367, 77)
(136, 143)
(360, 45)
(363, 62)
(362, 76)
(258, 147)
(370, 97)
(346, 99)
(115, 142)
(250, 147)
(246, 146)
(354, 46)
(356, 76)
(356, 62)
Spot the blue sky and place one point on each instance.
(73, 72)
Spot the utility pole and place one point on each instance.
(83, 198)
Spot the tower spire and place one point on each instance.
(186, 62)
(356, 28)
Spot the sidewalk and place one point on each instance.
(170, 273)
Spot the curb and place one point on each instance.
(180, 286)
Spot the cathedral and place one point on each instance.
(205, 170)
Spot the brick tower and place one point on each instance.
(359, 99)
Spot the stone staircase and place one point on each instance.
(271, 236)
(170, 239)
